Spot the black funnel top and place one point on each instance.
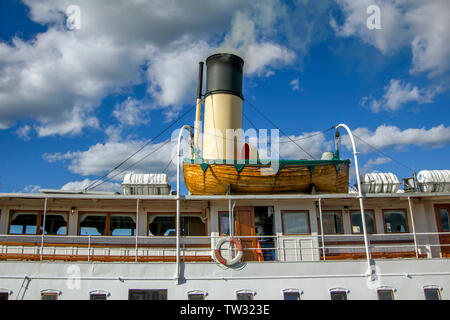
(224, 74)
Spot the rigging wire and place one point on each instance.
(132, 165)
(91, 186)
(273, 124)
(381, 152)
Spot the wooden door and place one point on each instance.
(443, 224)
(244, 224)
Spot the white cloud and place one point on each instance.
(31, 189)
(393, 137)
(102, 157)
(314, 143)
(295, 84)
(421, 25)
(131, 112)
(371, 163)
(81, 185)
(24, 132)
(399, 93)
(61, 76)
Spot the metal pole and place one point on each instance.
(177, 222)
(360, 195)
(229, 217)
(137, 228)
(232, 219)
(321, 229)
(89, 247)
(413, 226)
(43, 230)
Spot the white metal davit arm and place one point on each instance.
(177, 220)
(360, 195)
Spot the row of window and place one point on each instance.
(103, 224)
(298, 222)
(124, 224)
(430, 293)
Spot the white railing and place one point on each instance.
(201, 248)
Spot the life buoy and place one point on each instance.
(236, 259)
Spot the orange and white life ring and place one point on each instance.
(228, 262)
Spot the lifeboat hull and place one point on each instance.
(330, 176)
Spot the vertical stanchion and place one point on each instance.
(89, 248)
(413, 227)
(321, 229)
(178, 199)
(360, 195)
(137, 229)
(43, 229)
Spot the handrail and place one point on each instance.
(317, 246)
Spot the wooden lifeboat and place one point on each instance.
(292, 176)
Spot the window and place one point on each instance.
(98, 295)
(295, 222)
(369, 216)
(137, 294)
(55, 223)
(224, 223)
(49, 295)
(107, 224)
(244, 296)
(385, 294)
(33, 223)
(196, 296)
(164, 225)
(395, 221)
(23, 223)
(291, 295)
(432, 293)
(4, 296)
(338, 294)
(444, 219)
(332, 222)
(92, 225)
(121, 225)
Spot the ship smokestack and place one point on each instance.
(223, 105)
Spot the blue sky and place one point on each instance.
(75, 103)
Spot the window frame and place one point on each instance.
(221, 213)
(6, 292)
(142, 290)
(197, 293)
(107, 222)
(50, 292)
(342, 221)
(386, 289)
(196, 214)
(338, 290)
(292, 290)
(99, 293)
(365, 212)
(39, 217)
(406, 220)
(296, 211)
(245, 291)
(432, 287)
